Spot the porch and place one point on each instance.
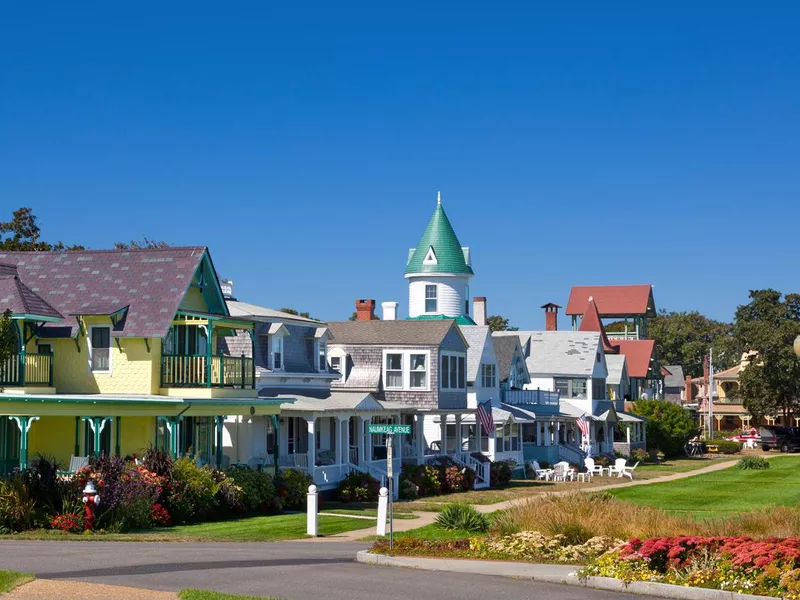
(27, 369)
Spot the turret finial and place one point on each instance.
(438, 197)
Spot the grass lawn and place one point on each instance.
(211, 595)
(429, 532)
(11, 579)
(727, 491)
(252, 529)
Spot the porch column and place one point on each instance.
(24, 425)
(478, 432)
(117, 422)
(443, 433)
(172, 424)
(644, 433)
(419, 433)
(459, 435)
(312, 444)
(77, 450)
(546, 429)
(628, 435)
(338, 439)
(345, 431)
(219, 423)
(558, 433)
(276, 448)
(97, 424)
(361, 440)
(491, 448)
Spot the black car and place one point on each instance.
(786, 439)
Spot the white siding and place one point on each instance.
(541, 383)
(451, 292)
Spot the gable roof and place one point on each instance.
(477, 337)
(504, 348)
(261, 313)
(637, 355)
(615, 363)
(675, 378)
(450, 257)
(591, 322)
(391, 333)
(151, 283)
(613, 300)
(20, 299)
(569, 353)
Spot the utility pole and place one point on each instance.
(711, 393)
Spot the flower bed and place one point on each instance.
(769, 567)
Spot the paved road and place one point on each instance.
(291, 570)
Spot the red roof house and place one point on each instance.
(613, 301)
(591, 322)
(638, 355)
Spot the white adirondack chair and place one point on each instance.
(539, 472)
(618, 467)
(593, 468)
(560, 471)
(628, 471)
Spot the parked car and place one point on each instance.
(785, 439)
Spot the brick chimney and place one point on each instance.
(551, 316)
(365, 310)
(687, 390)
(479, 310)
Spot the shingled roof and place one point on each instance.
(150, 283)
(440, 242)
(390, 333)
(19, 298)
(591, 322)
(613, 300)
(638, 354)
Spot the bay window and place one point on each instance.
(454, 374)
(394, 371)
(406, 370)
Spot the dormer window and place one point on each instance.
(337, 360)
(276, 355)
(431, 304)
(323, 355)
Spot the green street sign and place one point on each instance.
(389, 429)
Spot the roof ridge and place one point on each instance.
(98, 251)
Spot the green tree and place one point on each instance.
(292, 311)
(22, 233)
(768, 325)
(8, 337)
(669, 426)
(144, 244)
(353, 317)
(498, 323)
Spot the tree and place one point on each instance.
(768, 325)
(498, 323)
(22, 233)
(8, 338)
(669, 426)
(144, 244)
(353, 317)
(292, 311)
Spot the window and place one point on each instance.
(430, 299)
(453, 372)
(466, 300)
(44, 348)
(394, 371)
(419, 371)
(100, 349)
(277, 353)
(336, 365)
(571, 388)
(598, 389)
(323, 355)
(488, 376)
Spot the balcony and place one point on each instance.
(27, 370)
(530, 397)
(200, 371)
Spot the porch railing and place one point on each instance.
(195, 370)
(528, 397)
(27, 369)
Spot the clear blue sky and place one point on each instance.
(574, 143)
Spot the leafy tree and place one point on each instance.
(144, 244)
(498, 323)
(22, 233)
(768, 325)
(669, 426)
(354, 316)
(8, 338)
(292, 311)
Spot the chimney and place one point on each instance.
(687, 390)
(479, 310)
(226, 285)
(551, 316)
(365, 310)
(389, 311)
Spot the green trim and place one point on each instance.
(178, 402)
(116, 437)
(214, 317)
(460, 319)
(450, 255)
(32, 317)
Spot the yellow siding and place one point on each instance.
(193, 300)
(137, 434)
(52, 436)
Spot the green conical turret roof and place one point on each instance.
(439, 250)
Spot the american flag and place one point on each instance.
(485, 417)
(583, 425)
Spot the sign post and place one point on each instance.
(389, 431)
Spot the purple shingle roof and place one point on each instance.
(150, 283)
(19, 298)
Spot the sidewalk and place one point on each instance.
(47, 589)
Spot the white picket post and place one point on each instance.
(383, 504)
(313, 503)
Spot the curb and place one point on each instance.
(560, 574)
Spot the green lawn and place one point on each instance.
(429, 532)
(728, 491)
(11, 579)
(252, 529)
(211, 595)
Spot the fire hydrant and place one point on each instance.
(90, 499)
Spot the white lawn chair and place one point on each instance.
(628, 471)
(253, 462)
(617, 468)
(539, 472)
(560, 471)
(593, 468)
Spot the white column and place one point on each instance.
(546, 427)
(341, 449)
(628, 435)
(443, 433)
(312, 444)
(459, 436)
(492, 447)
(419, 431)
(478, 434)
(312, 504)
(346, 439)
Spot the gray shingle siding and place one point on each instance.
(235, 345)
(298, 350)
(453, 342)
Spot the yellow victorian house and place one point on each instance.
(117, 350)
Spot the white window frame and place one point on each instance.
(488, 379)
(435, 299)
(91, 350)
(406, 366)
(272, 339)
(321, 353)
(459, 375)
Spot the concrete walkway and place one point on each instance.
(47, 589)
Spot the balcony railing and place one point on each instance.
(27, 369)
(528, 397)
(195, 371)
(622, 335)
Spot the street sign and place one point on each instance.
(389, 429)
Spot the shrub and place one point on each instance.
(192, 491)
(500, 473)
(257, 490)
(17, 508)
(728, 447)
(160, 516)
(293, 488)
(426, 478)
(640, 455)
(464, 517)
(669, 426)
(229, 499)
(137, 491)
(408, 489)
(69, 522)
(158, 462)
(358, 487)
(755, 463)
(457, 479)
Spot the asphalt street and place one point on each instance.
(290, 570)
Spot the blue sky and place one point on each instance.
(580, 143)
